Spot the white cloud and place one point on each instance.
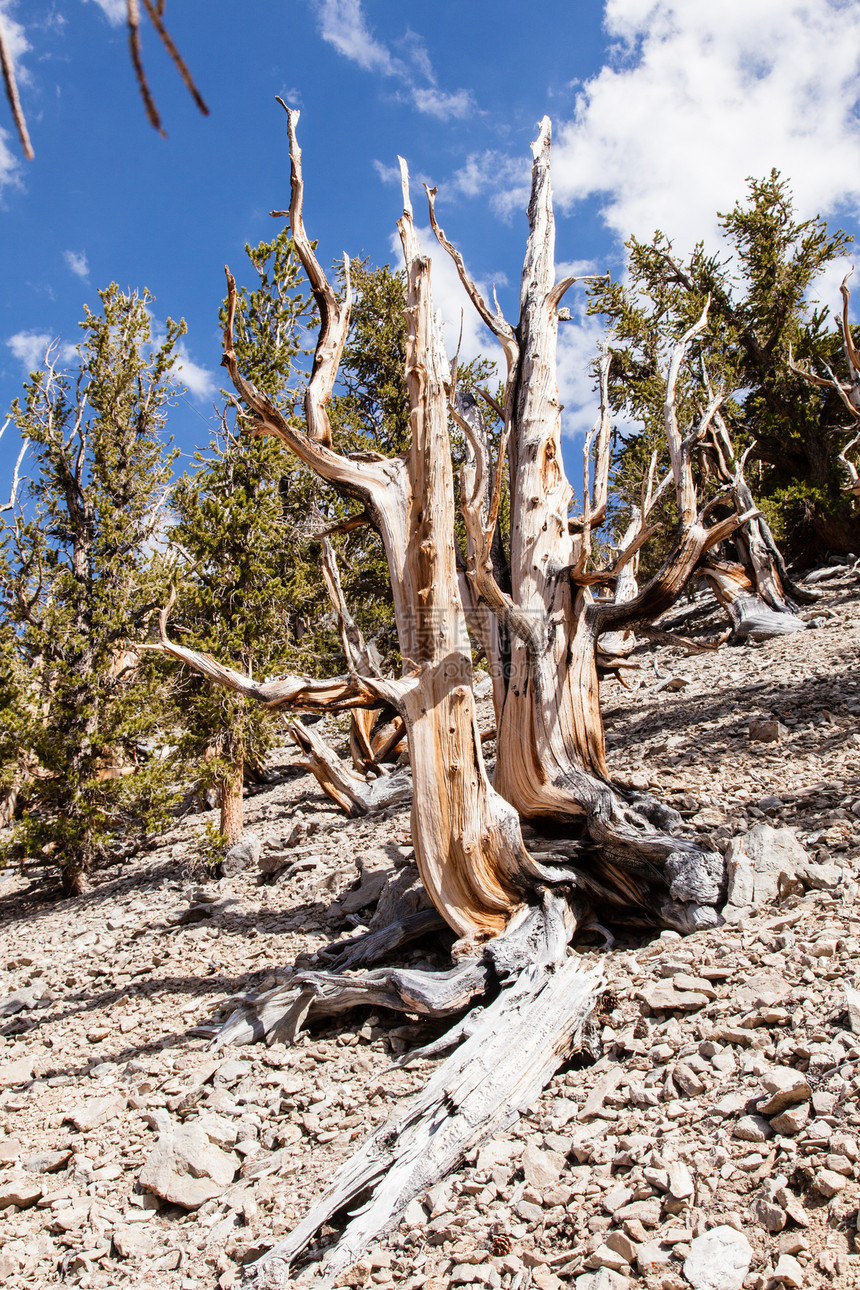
(825, 289)
(387, 174)
(506, 179)
(441, 105)
(116, 11)
(30, 347)
(17, 45)
(578, 343)
(200, 382)
(343, 25)
(10, 168)
(15, 37)
(700, 97)
(77, 262)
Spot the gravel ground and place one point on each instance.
(620, 1172)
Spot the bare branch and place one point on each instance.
(496, 322)
(359, 658)
(156, 14)
(12, 95)
(850, 351)
(480, 518)
(334, 314)
(133, 11)
(368, 480)
(335, 694)
(679, 454)
(853, 475)
(13, 491)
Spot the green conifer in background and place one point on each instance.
(80, 551)
(761, 309)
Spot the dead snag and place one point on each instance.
(754, 588)
(515, 907)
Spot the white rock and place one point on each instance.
(762, 863)
(788, 1271)
(187, 1169)
(542, 1169)
(852, 1005)
(752, 1128)
(719, 1260)
(19, 1072)
(95, 1111)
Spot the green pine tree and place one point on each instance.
(759, 288)
(80, 556)
(250, 588)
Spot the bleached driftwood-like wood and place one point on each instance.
(755, 590)
(515, 1046)
(550, 753)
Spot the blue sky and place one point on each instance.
(661, 109)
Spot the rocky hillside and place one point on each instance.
(714, 1142)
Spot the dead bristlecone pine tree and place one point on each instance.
(597, 851)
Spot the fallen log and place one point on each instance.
(514, 1046)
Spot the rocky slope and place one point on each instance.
(715, 1142)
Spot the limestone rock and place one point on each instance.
(13, 1074)
(368, 891)
(605, 1257)
(788, 1271)
(652, 1257)
(662, 996)
(719, 1260)
(187, 1169)
(542, 1169)
(23, 999)
(95, 1111)
(762, 864)
(752, 1128)
(786, 1087)
(828, 1182)
(10, 1149)
(852, 1005)
(9, 1268)
(769, 1215)
(19, 1188)
(766, 731)
(46, 1162)
(131, 1242)
(791, 1121)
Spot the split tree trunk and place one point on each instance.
(551, 761)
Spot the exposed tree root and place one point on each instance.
(513, 1048)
